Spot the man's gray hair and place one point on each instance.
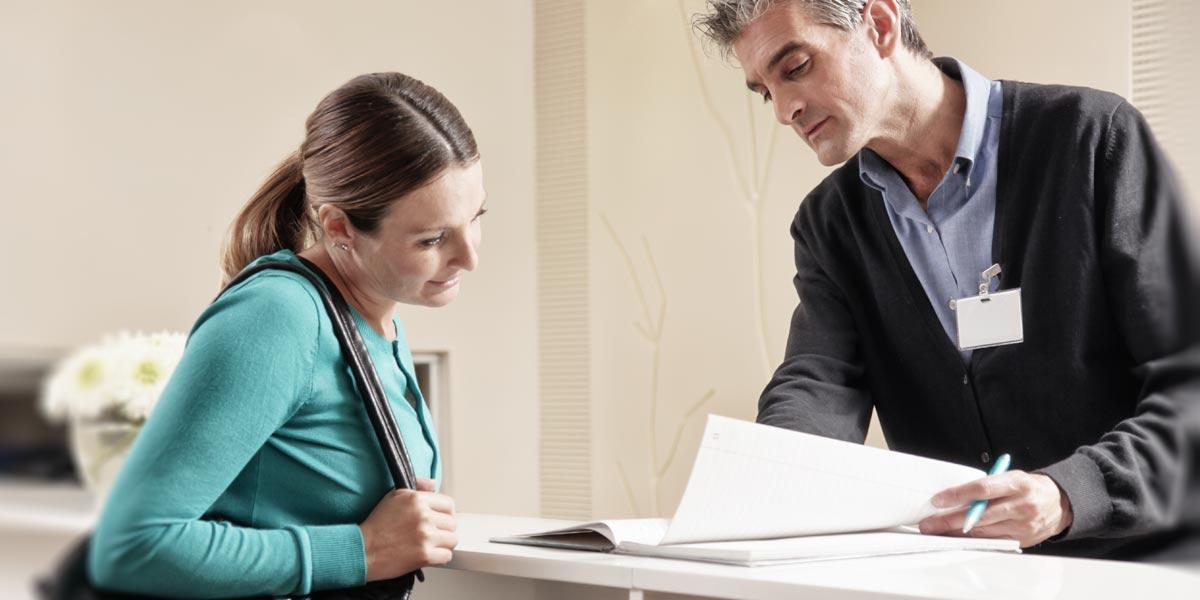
(726, 19)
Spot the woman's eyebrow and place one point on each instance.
(438, 227)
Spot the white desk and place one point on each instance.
(957, 574)
(37, 521)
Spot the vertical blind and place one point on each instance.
(564, 472)
(1164, 81)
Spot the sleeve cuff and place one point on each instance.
(338, 559)
(1080, 478)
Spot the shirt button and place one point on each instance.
(929, 228)
(985, 457)
(966, 380)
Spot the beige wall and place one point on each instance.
(699, 185)
(663, 176)
(134, 130)
(1073, 42)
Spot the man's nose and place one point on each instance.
(788, 108)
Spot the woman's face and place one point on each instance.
(427, 241)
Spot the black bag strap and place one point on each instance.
(355, 352)
(375, 400)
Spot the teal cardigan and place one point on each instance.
(253, 471)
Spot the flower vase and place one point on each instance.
(99, 448)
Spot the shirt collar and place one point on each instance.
(977, 89)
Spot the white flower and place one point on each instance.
(120, 378)
(76, 386)
(148, 365)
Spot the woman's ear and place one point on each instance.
(335, 226)
(882, 21)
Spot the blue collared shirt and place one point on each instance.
(950, 244)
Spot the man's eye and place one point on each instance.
(799, 70)
(434, 240)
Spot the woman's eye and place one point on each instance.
(766, 97)
(434, 240)
(481, 213)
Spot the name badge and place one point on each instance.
(991, 318)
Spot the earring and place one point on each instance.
(344, 247)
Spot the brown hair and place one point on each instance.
(372, 140)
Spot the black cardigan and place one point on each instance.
(1090, 225)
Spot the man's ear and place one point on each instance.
(882, 21)
(335, 225)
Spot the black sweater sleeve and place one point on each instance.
(818, 387)
(1134, 479)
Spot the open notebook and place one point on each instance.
(761, 495)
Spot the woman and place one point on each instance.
(258, 472)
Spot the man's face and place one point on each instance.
(827, 84)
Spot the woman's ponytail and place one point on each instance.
(375, 139)
(276, 217)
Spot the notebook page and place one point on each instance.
(639, 531)
(617, 531)
(819, 547)
(754, 481)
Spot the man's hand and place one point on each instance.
(1025, 507)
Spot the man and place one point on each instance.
(1084, 376)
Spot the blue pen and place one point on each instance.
(976, 511)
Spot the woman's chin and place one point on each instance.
(440, 297)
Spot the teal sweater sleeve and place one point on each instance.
(247, 369)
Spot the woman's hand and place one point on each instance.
(407, 530)
(1027, 507)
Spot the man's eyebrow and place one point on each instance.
(779, 55)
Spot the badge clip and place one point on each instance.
(985, 278)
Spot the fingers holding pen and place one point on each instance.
(1028, 507)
